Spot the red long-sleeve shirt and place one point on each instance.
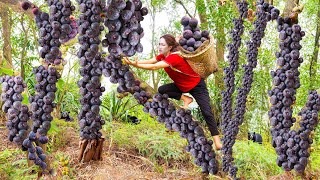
(184, 81)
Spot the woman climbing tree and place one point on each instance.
(185, 80)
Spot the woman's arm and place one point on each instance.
(155, 66)
(149, 61)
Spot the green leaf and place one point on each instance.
(53, 128)
(6, 71)
(25, 98)
(60, 84)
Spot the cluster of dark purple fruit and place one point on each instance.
(41, 104)
(291, 146)
(60, 20)
(74, 31)
(17, 113)
(158, 106)
(35, 153)
(265, 13)
(180, 120)
(192, 37)
(124, 27)
(53, 29)
(90, 61)
(229, 127)
(48, 37)
(125, 31)
(233, 58)
(48, 41)
(120, 73)
(123, 22)
(308, 123)
(140, 95)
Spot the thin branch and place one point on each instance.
(23, 53)
(148, 6)
(314, 58)
(180, 2)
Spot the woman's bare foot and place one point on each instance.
(217, 142)
(186, 101)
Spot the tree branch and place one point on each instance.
(180, 2)
(201, 8)
(314, 58)
(15, 5)
(6, 30)
(25, 42)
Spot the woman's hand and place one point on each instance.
(133, 63)
(178, 38)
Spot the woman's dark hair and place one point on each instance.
(171, 41)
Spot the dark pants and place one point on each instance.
(201, 95)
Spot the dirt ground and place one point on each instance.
(120, 164)
(117, 164)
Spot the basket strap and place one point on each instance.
(177, 52)
(177, 70)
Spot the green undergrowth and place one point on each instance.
(149, 138)
(13, 165)
(13, 162)
(315, 159)
(59, 134)
(255, 161)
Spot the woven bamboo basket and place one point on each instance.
(204, 60)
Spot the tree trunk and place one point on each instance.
(15, 6)
(1, 59)
(220, 48)
(271, 2)
(6, 19)
(90, 149)
(218, 76)
(290, 4)
(154, 74)
(315, 54)
(24, 52)
(201, 8)
(6, 31)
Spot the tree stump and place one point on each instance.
(90, 149)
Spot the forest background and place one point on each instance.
(147, 147)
